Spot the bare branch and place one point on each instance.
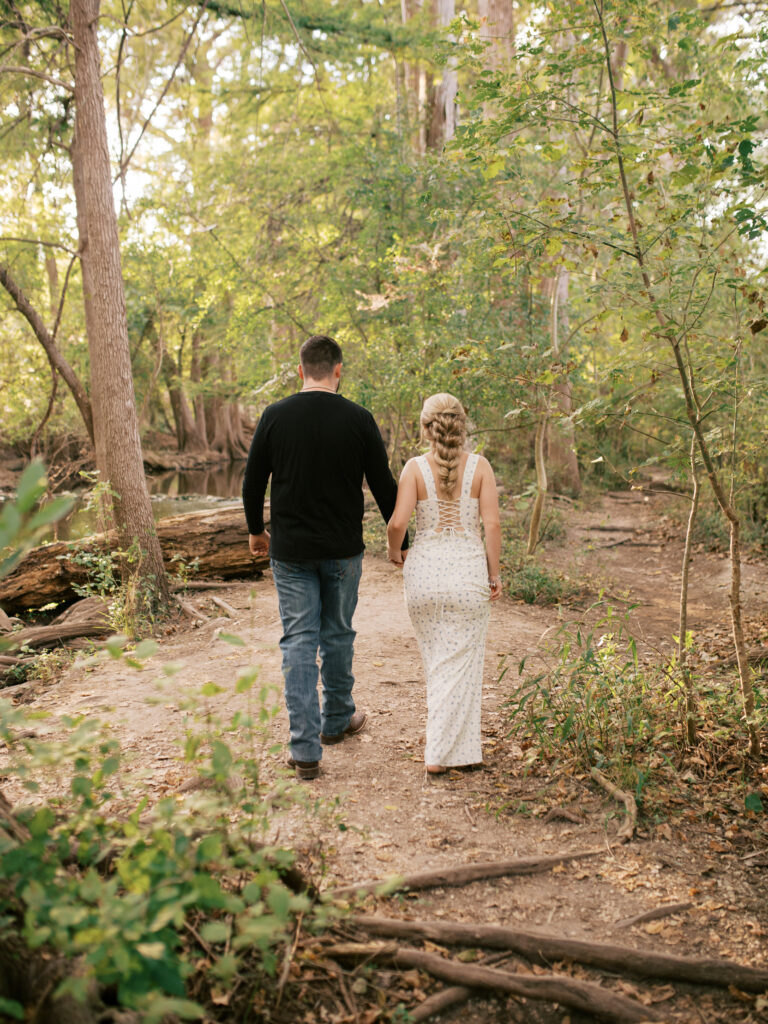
(12, 69)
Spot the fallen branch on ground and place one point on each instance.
(545, 947)
(466, 873)
(627, 830)
(227, 608)
(653, 915)
(585, 996)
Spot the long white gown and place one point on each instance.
(446, 593)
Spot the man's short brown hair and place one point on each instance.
(319, 355)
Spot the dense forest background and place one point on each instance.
(555, 211)
(436, 186)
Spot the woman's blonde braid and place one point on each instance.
(447, 435)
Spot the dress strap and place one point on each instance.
(429, 480)
(469, 473)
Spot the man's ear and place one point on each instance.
(337, 371)
(301, 372)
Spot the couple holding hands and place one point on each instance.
(317, 447)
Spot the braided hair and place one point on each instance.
(444, 425)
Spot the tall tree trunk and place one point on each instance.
(116, 425)
(196, 376)
(187, 437)
(564, 475)
(442, 121)
(497, 26)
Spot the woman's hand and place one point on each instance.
(494, 583)
(396, 557)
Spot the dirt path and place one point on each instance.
(397, 820)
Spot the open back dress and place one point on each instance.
(447, 596)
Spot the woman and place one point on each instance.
(449, 577)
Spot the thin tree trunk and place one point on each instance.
(561, 443)
(441, 125)
(694, 417)
(541, 485)
(682, 646)
(116, 426)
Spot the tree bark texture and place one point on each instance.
(206, 543)
(116, 425)
(497, 26)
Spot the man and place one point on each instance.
(317, 447)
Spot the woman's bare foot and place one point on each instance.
(436, 769)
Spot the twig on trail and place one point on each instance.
(627, 830)
(545, 947)
(288, 961)
(233, 613)
(189, 610)
(589, 998)
(465, 873)
(470, 816)
(653, 915)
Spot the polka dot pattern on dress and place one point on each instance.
(446, 593)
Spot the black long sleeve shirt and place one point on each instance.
(317, 447)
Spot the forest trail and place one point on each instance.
(397, 820)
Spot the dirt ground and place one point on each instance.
(397, 820)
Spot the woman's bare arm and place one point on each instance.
(489, 513)
(404, 506)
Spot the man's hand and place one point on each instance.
(259, 544)
(397, 557)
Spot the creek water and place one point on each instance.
(171, 493)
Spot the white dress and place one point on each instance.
(447, 596)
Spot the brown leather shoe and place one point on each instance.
(305, 770)
(356, 724)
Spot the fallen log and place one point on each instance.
(589, 998)
(545, 947)
(208, 543)
(465, 873)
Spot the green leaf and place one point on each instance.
(215, 931)
(210, 689)
(115, 645)
(12, 1009)
(145, 649)
(752, 802)
(230, 638)
(32, 484)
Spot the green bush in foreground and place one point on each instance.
(121, 892)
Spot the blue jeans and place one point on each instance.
(317, 601)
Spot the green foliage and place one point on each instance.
(116, 888)
(597, 704)
(25, 520)
(524, 577)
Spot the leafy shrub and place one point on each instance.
(596, 705)
(137, 895)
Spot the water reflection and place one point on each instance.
(224, 481)
(172, 494)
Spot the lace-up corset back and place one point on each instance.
(436, 515)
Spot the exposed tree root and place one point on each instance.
(627, 830)
(466, 873)
(585, 996)
(545, 947)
